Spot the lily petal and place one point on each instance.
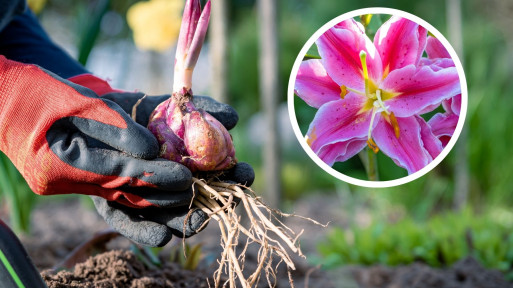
(341, 151)
(418, 88)
(453, 105)
(400, 42)
(346, 24)
(429, 108)
(313, 84)
(338, 121)
(435, 49)
(456, 104)
(431, 143)
(443, 124)
(437, 64)
(408, 150)
(340, 48)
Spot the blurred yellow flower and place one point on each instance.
(155, 23)
(36, 5)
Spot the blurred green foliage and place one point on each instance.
(91, 29)
(188, 259)
(441, 241)
(20, 200)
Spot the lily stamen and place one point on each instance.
(380, 102)
(395, 125)
(354, 90)
(374, 112)
(363, 60)
(372, 145)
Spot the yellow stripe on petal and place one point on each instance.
(385, 72)
(395, 125)
(369, 104)
(385, 95)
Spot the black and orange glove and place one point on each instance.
(64, 139)
(156, 226)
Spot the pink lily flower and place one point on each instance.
(190, 40)
(443, 125)
(370, 93)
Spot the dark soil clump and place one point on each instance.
(122, 269)
(467, 273)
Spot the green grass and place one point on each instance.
(438, 242)
(19, 197)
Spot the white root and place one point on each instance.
(217, 200)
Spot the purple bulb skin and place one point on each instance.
(191, 136)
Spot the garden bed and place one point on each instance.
(60, 227)
(466, 273)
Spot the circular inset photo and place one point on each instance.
(377, 97)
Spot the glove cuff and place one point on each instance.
(98, 85)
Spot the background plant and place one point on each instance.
(17, 195)
(438, 242)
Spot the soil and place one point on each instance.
(58, 227)
(466, 273)
(122, 269)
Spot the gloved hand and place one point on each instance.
(64, 139)
(154, 226)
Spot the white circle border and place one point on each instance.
(366, 183)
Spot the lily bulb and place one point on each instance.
(186, 134)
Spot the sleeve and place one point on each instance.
(8, 8)
(24, 40)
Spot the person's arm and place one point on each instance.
(24, 40)
(9, 8)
